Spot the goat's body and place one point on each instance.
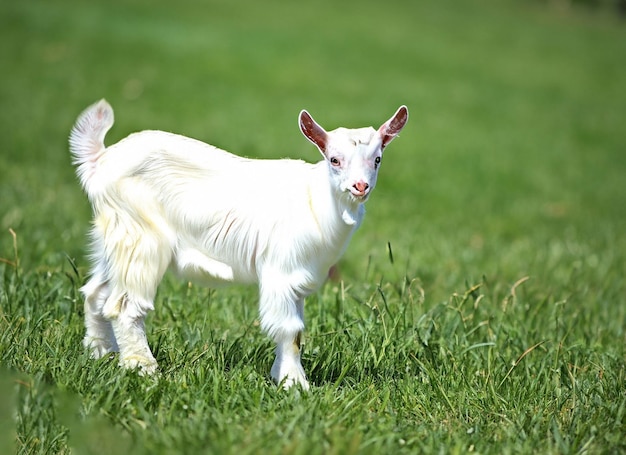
(164, 201)
(162, 196)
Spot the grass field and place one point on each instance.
(480, 308)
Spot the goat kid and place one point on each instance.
(163, 201)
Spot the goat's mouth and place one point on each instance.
(358, 194)
(360, 190)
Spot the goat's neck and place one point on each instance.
(333, 209)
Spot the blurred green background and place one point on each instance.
(517, 110)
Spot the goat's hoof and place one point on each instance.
(292, 378)
(288, 383)
(99, 347)
(145, 366)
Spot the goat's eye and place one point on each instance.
(377, 160)
(335, 161)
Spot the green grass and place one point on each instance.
(481, 306)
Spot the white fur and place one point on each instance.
(166, 201)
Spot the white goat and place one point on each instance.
(162, 200)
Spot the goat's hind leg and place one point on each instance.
(141, 259)
(99, 337)
(129, 326)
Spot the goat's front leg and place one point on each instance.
(287, 368)
(282, 316)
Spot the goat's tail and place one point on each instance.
(87, 139)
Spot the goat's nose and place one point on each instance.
(361, 186)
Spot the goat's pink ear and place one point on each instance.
(313, 131)
(392, 127)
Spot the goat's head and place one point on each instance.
(353, 155)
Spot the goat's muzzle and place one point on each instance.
(360, 189)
